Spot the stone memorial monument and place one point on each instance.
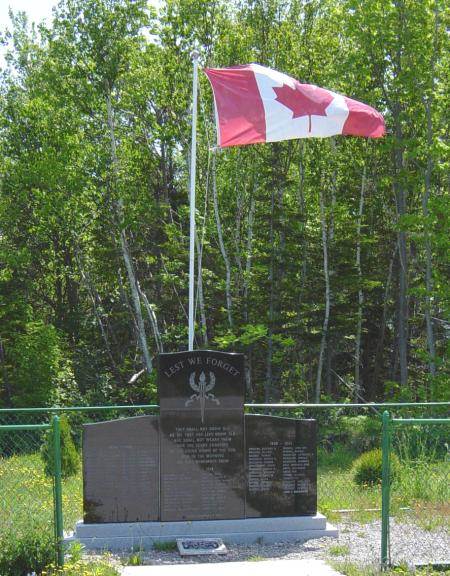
(202, 468)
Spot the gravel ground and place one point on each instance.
(357, 543)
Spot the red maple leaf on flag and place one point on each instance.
(304, 100)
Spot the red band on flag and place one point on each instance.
(363, 120)
(240, 112)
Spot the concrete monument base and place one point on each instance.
(142, 535)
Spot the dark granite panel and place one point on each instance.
(281, 466)
(202, 467)
(121, 470)
(201, 381)
(202, 435)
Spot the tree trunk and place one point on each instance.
(425, 198)
(222, 246)
(360, 290)
(96, 302)
(248, 261)
(380, 346)
(153, 320)
(237, 238)
(428, 255)
(6, 382)
(326, 319)
(124, 244)
(402, 301)
(304, 245)
(268, 384)
(200, 298)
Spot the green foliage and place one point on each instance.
(134, 560)
(25, 549)
(168, 546)
(101, 77)
(83, 568)
(357, 433)
(70, 459)
(367, 468)
(37, 356)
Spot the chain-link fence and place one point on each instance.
(345, 431)
(416, 491)
(30, 498)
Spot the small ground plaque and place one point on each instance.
(201, 546)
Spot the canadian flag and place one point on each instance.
(256, 104)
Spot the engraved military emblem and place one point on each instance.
(202, 391)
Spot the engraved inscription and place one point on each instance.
(206, 445)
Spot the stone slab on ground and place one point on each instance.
(304, 567)
(126, 536)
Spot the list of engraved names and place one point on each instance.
(264, 464)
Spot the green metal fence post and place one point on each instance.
(59, 533)
(385, 488)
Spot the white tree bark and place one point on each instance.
(304, 249)
(153, 320)
(326, 319)
(124, 244)
(96, 304)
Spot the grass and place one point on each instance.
(336, 489)
(134, 560)
(419, 485)
(338, 550)
(26, 514)
(169, 546)
(350, 569)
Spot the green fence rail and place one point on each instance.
(388, 424)
(251, 405)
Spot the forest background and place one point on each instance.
(324, 261)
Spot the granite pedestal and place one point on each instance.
(143, 535)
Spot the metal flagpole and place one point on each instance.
(194, 56)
